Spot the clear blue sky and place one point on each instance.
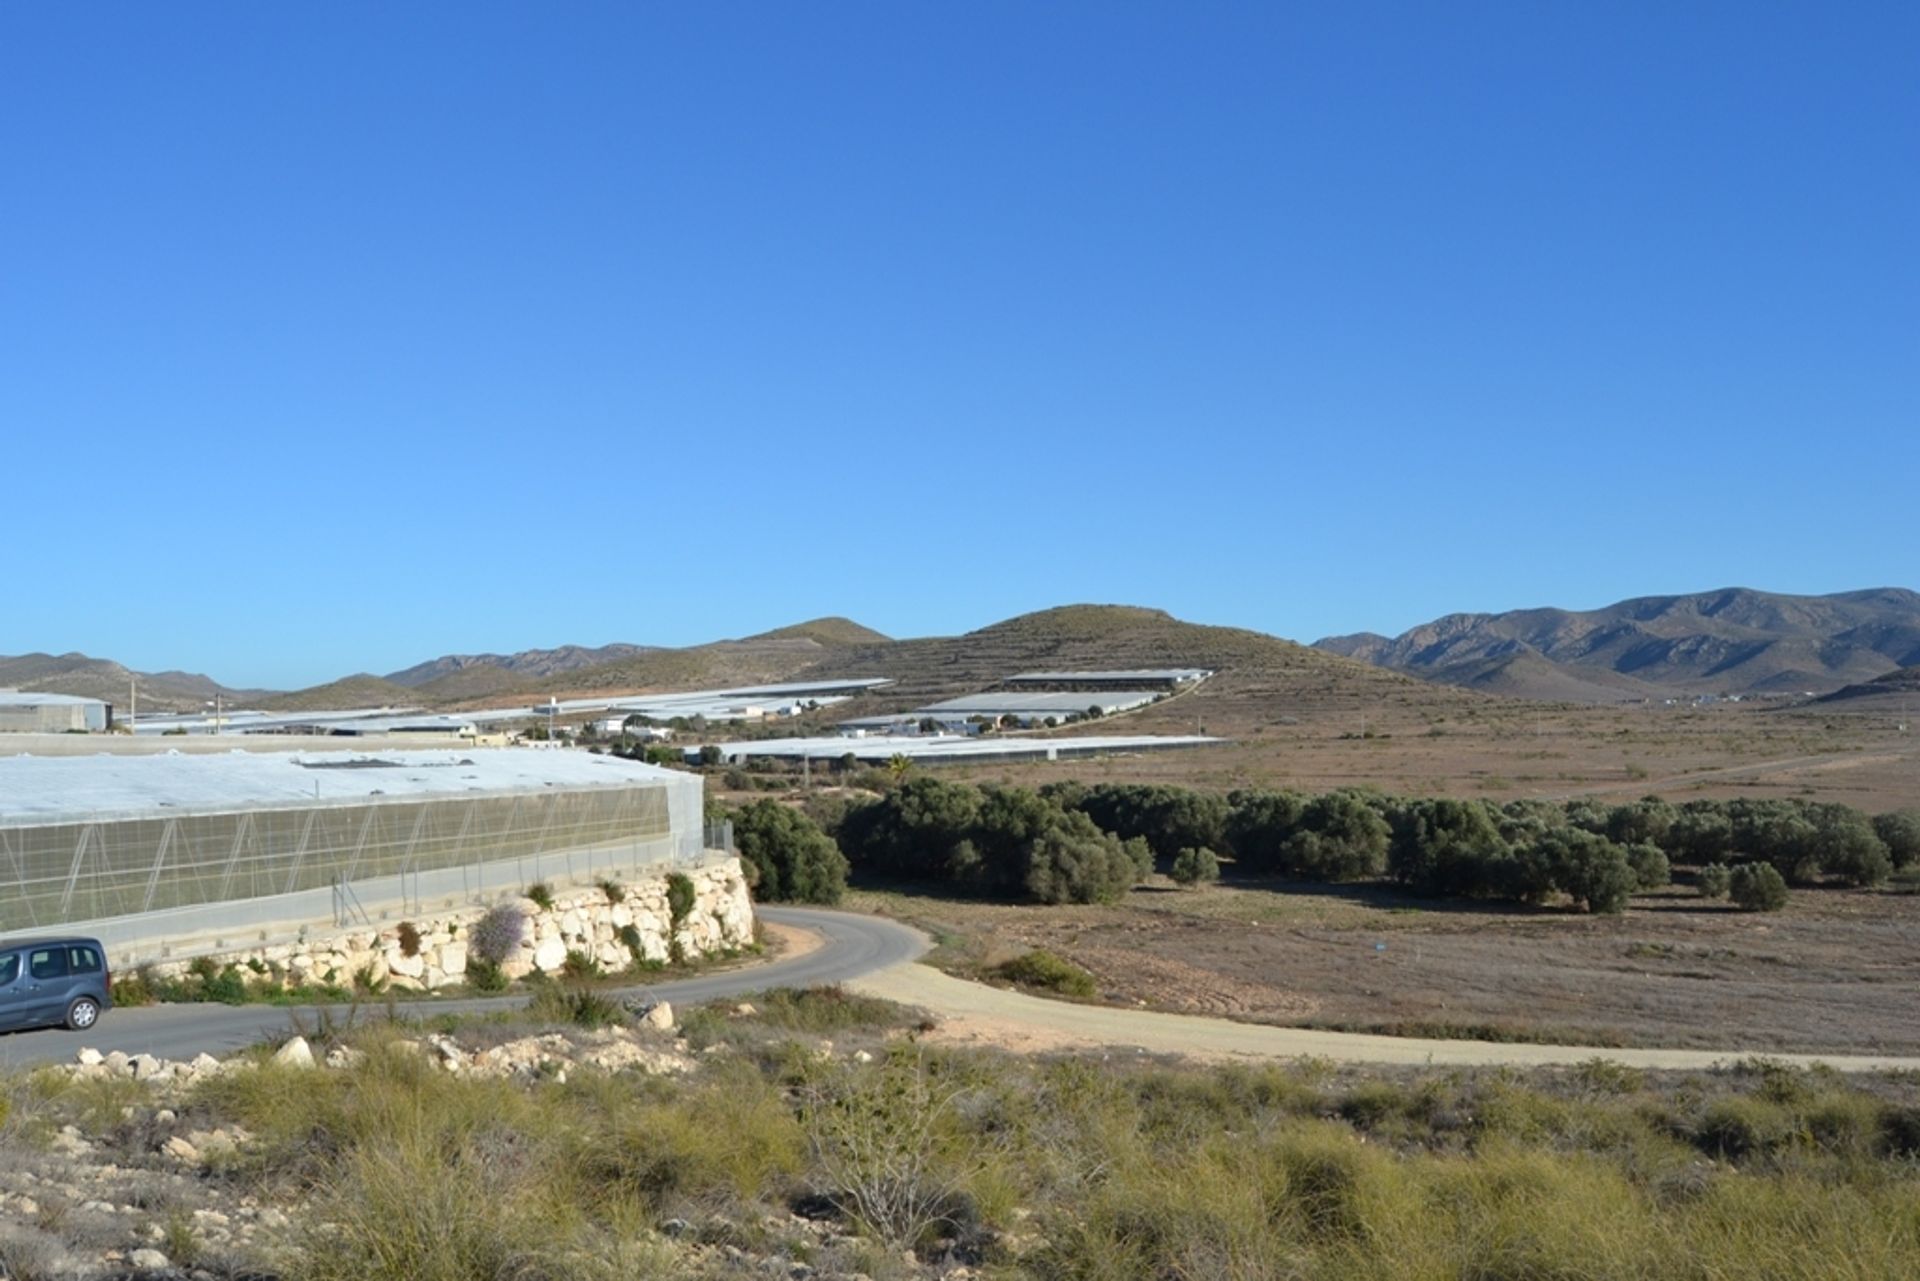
(336, 336)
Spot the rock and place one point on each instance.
(401, 966)
(143, 1067)
(745, 1010)
(659, 1016)
(116, 1062)
(149, 1259)
(90, 1057)
(861, 1056)
(70, 1141)
(165, 1116)
(181, 1150)
(294, 1054)
(676, 1227)
(204, 1064)
(453, 960)
(550, 956)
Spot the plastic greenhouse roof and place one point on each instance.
(39, 790)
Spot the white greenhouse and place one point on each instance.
(241, 845)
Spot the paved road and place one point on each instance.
(853, 946)
(874, 955)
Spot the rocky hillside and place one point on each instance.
(85, 677)
(1730, 641)
(1901, 686)
(528, 664)
(1260, 678)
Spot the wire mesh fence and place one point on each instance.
(89, 871)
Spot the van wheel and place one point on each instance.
(83, 1014)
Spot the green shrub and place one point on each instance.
(631, 940)
(580, 964)
(1650, 867)
(579, 1006)
(1195, 867)
(1715, 880)
(228, 986)
(1043, 969)
(1900, 833)
(680, 898)
(792, 859)
(542, 895)
(1757, 887)
(616, 892)
(1742, 1127)
(484, 975)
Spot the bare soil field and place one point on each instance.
(1832, 973)
(1458, 745)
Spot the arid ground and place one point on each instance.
(1832, 973)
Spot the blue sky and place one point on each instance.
(336, 337)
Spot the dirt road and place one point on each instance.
(974, 1013)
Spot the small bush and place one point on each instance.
(580, 964)
(1650, 867)
(542, 895)
(680, 898)
(1715, 880)
(484, 975)
(616, 892)
(138, 988)
(228, 987)
(631, 940)
(579, 1006)
(1757, 887)
(498, 934)
(1195, 867)
(1043, 969)
(409, 934)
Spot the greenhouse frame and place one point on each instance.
(178, 847)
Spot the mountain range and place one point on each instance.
(1732, 641)
(1723, 642)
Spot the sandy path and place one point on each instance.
(974, 1013)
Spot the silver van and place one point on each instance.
(53, 982)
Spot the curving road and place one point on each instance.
(873, 954)
(853, 946)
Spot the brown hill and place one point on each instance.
(101, 678)
(827, 631)
(1899, 688)
(1260, 679)
(1729, 641)
(526, 665)
(362, 690)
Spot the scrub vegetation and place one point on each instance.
(872, 1153)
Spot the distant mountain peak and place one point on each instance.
(1729, 640)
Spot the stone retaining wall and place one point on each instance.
(583, 920)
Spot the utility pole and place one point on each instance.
(133, 704)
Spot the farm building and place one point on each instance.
(181, 846)
(52, 714)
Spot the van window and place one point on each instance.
(9, 968)
(47, 963)
(83, 960)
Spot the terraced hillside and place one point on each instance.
(1260, 679)
(361, 690)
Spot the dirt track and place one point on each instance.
(974, 1013)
